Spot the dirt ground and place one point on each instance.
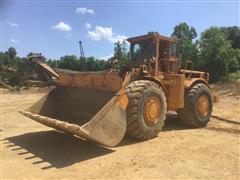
(30, 150)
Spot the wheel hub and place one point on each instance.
(152, 111)
(203, 106)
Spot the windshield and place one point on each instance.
(142, 50)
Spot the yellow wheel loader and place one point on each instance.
(104, 106)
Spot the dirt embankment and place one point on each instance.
(32, 151)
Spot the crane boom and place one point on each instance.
(81, 49)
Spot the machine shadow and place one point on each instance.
(61, 150)
(58, 149)
(173, 123)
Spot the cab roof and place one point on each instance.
(151, 35)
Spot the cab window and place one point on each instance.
(163, 49)
(142, 50)
(173, 49)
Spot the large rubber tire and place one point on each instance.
(189, 114)
(138, 93)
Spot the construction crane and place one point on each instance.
(81, 49)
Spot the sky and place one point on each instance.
(54, 27)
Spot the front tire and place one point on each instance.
(146, 110)
(197, 107)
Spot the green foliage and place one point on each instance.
(187, 47)
(217, 51)
(4, 60)
(53, 63)
(232, 34)
(234, 76)
(8, 59)
(69, 62)
(11, 53)
(90, 63)
(120, 53)
(216, 54)
(183, 32)
(82, 64)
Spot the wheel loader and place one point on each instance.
(104, 106)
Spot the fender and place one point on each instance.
(189, 83)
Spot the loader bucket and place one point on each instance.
(96, 114)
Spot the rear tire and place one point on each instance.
(146, 110)
(197, 107)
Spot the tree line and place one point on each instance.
(216, 50)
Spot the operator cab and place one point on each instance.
(161, 49)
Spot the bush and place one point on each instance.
(233, 76)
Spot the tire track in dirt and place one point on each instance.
(226, 120)
(224, 125)
(227, 130)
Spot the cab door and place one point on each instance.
(169, 65)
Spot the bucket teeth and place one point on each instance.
(57, 124)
